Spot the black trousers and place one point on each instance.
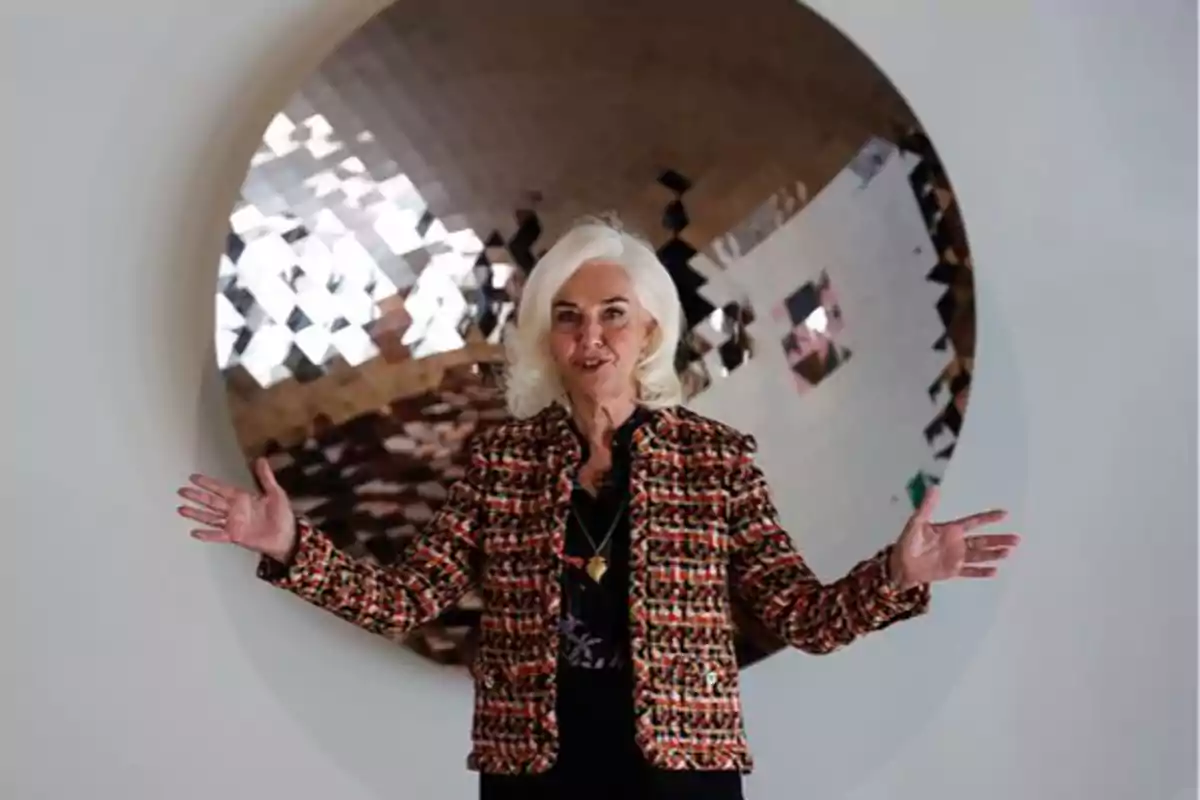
(598, 757)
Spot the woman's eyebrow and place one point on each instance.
(605, 302)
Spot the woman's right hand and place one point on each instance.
(263, 522)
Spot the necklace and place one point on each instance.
(597, 565)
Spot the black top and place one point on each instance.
(597, 754)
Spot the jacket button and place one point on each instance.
(489, 682)
(710, 678)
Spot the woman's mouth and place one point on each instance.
(592, 364)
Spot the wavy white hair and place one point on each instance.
(533, 382)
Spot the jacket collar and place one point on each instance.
(556, 429)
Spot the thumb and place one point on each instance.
(928, 505)
(266, 476)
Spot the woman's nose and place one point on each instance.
(591, 333)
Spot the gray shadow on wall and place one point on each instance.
(846, 718)
(366, 702)
(376, 709)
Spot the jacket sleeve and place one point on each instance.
(768, 574)
(432, 573)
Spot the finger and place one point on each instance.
(977, 572)
(211, 536)
(202, 515)
(266, 475)
(992, 541)
(974, 521)
(219, 488)
(206, 499)
(982, 555)
(928, 504)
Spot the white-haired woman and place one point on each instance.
(609, 531)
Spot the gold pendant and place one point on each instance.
(596, 567)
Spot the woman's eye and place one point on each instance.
(614, 313)
(564, 318)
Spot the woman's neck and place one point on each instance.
(599, 419)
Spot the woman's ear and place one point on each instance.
(649, 338)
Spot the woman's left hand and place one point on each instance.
(930, 551)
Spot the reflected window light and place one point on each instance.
(323, 184)
(327, 223)
(262, 156)
(316, 261)
(265, 257)
(439, 338)
(353, 264)
(355, 189)
(465, 241)
(503, 316)
(279, 135)
(354, 305)
(228, 317)
(450, 270)
(227, 268)
(310, 274)
(437, 232)
(273, 295)
(354, 345)
(245, 219)
(320, 142)
(225, 341)
(315, 342)
(318, 305)
(435, 305)
(384, 288)
(404, 195)
(501, 274)
(398, 229)
(265, 354)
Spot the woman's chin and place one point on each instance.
(600, 385)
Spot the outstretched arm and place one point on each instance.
(432, 573)
(770, 576)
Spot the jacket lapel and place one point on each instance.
(562, 461)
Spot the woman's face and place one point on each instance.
(598, 332)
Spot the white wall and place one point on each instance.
(137, 664)
(841, 455)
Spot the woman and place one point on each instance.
(609, 531)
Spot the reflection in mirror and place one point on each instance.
(400, 199)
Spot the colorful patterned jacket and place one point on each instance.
(703, 531)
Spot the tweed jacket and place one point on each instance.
(703, 531)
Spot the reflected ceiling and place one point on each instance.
(398, 200)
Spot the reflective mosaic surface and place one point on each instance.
(399, 199)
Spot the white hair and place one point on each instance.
(533, 382)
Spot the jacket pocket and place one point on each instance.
(516, 678)
(689, 678)
(512, 701)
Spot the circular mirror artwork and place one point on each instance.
(377, 250)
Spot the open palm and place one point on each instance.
(936, 551)
(262, 522)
